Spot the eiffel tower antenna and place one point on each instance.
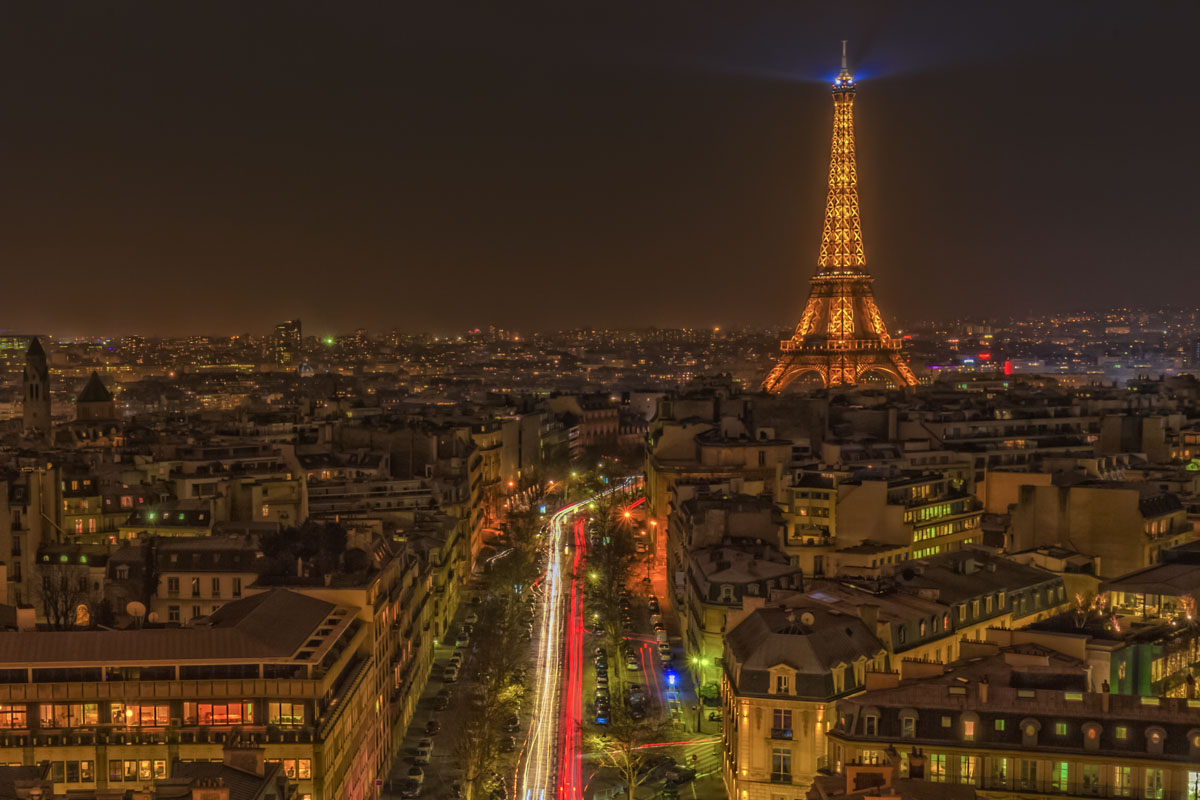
(841, 337)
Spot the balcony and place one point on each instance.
(1050, 786)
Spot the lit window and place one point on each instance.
(1060, 729)
(1000, 725)
(968, 729)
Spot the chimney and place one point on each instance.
(247, 759)
(869, 614)
(916, 765)
(26, 618)
(210, 789)
(983, 690)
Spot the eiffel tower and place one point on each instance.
(841, 336)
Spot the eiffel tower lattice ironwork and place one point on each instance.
(841, 336)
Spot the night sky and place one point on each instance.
(172, 167)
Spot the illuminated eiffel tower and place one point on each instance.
(841, 336)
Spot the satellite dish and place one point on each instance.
(153, 617)
(807, 618)
(136, 609)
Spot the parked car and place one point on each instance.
(512, 724)
(432, 727)
(424, 751)
(631, 663)
(677, 773)
(417, 774)
(508, 744)
(410, 789)
(472, 619)
(602, 693)
(450, 674)
(653, 604)
(602, 679)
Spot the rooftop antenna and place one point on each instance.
(844, 68)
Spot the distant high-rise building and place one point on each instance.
(37, 390)
(287, 341)
(841, 336)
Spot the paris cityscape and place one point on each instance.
(307, 493)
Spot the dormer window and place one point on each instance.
(1154, 740)
(782, 684)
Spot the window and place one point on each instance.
(145, 770)
(937, 767)
(1027, 774)
(115, 774)
(999, 771)
(216, 587)
(160, 770)
(293, 714)
(13, 717)
(1058, 776)
(1089, 779)
(195, 587)
(871, 723)
(79, 528)
(1154, 784)
(908, 727)
(1000, 725)
(1121, 732)
(91, 529)
(237, 587)
(947, 722)
(304, 769)
(1122, 784)
(968, 768)
(131, 770)
(969, 729)
(195, 611)
(1060, 729)
(781, 765)
(781, 684)
(173, 586)
(68, 715)
(141, 716)
(218, 714)
(172, 613)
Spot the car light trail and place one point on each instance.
(552, 767)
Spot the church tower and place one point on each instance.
(37, 390)
(841, 337)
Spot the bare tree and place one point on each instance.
(621, 747)
(64, 588)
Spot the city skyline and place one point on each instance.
(277, 166)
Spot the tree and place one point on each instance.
(621, 747)
(64, 588)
